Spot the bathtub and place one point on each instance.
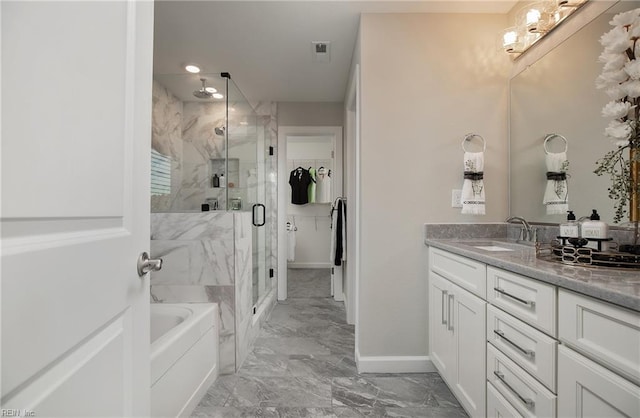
(184, 356)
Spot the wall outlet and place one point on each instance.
(456, 198)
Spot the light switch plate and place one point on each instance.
(456, 198)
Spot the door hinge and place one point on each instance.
(332, 270)
(270, 150)
(271, 273)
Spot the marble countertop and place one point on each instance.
(621, 287)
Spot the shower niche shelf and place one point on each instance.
(217, 166)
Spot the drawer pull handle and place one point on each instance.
(449, 315)
(529, 303)
(444, 295)
(528, 402)
(528, 353)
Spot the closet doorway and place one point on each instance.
(309, 181)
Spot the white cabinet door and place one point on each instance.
(586, 389)
(441, 340)
(469, 322)
(76, 120)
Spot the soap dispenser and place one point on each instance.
(596, 231)
(570, 229)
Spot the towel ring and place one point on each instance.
(549, 137)
(469, 137)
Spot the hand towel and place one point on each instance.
(556, 194)
(338, 252)
(291, 242)
(473, 201)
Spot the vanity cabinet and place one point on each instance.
(549, 351)
(599, 361)
(457, 320)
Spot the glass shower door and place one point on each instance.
(246, 159)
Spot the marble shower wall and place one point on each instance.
(207, 258)
(166, 138)
(200, 144)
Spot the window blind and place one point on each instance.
(160, 174)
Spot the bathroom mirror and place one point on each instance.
(557, 94)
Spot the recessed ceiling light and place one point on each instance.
(211, 90)
(244, 123)
(217, 96)
(192, 68)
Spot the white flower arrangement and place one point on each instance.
(620, 79)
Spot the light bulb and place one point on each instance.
(533, 16)
(194, 69)
(509, 38)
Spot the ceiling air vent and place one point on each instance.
(321, 51)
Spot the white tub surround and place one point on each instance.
(184, 356)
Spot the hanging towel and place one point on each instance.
(338, 252)
(473, 201)
(323, 185)
(556, 194)
(291, 242)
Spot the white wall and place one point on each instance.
(310, 114)
(427, 80)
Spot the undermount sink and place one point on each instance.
(492, 248)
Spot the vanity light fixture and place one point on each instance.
(192, 68)
(534, 21)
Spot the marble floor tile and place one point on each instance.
(290, 345)
(309, 283)
(296, 391)
(302, 365)
(267, 412)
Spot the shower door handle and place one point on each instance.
(253, 214)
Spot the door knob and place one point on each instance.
(145, 264)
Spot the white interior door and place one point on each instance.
(76, 118)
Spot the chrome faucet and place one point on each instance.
(526, 232)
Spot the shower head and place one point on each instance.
(219, 131)
(203, 93)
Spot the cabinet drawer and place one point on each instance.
(588, 389)
(466, 273)
(525, 393)
(530, 300)
(605, 332)
(498, 406)
(531, 349)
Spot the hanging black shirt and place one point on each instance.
(299, 179)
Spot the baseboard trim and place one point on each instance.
(294, 265)
(394, 364)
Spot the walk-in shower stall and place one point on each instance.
(211, 178)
